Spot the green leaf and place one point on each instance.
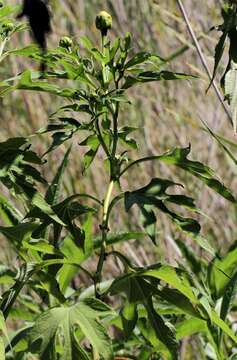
(19, 340)
(129, 318)
(38, 200)
(175, 277)
(123, 135)
(9, 213)
(86, 43)
(74, 107)
(136, 288)
(178, 157)
(190, 327)
(31, 50)
(152, 345)
(94, 51)
(65, 275)
(76, 254)
(114, 48)
(48, 283)
(3, 329)
(52, 193)
(7, 276)
(8, 297)
(221, 271)
(2, 349)
(63, 321)
(64, 129)
(40, 245)
(71, 250)
(19, 233)
(137, 59)
(16, 171)
(127, 41)
(67, 211)
(229, 296)
(28, 81)
(164, 332)
(149, 76)
(174, 297)
(94, 144)
(153, 196)
(221, 141)
(204, 244)
(223, 326)
(219, 50)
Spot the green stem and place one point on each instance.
(2, 46)
(106, 203)
(115, 130)
(136, 162)
(103, 65)
(104, 229)
(113, 164)
(112, 159)
(100, 137)
(114, 202)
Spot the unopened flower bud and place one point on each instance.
(103, 22)
(7, 28)
(65, 42)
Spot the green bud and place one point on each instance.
(7, 27)
(65, 42)
(103, 22)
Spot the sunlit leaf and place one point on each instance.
(62, 321)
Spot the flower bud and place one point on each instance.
(103, 22)
(65, 42)
(7, 28)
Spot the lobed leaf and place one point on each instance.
(63, 321)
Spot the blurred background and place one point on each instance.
(167, 114)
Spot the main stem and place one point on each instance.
(2, 48)
(104, 229)
(106, 203)
(103, 65)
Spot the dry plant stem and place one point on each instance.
(202, 58)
